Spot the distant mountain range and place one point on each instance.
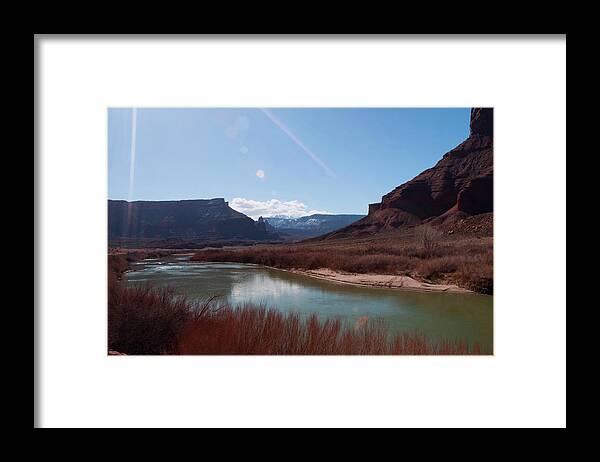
(311, 225)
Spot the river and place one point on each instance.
(447, 315)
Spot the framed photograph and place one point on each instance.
(292, 224)
(238, 263)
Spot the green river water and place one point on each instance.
(447, 315)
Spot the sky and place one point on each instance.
(277, 161)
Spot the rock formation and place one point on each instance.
(210, 219)
(461, 183)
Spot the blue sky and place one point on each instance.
(276, 161)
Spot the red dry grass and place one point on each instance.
(423, 254)
(144, 320)
(251, 330)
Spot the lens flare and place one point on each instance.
(132, 152)
(296, 140)
(131, 164)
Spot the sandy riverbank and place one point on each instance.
(387, 281)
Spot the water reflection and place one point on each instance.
(436, 314)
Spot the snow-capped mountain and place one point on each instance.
(312, 225)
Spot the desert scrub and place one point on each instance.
(423, 254)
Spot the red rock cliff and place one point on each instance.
(461, 182)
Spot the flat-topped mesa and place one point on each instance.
(214, 202)
(460, 183)
(183, 219)
(217, 201)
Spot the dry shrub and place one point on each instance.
(477, 274)
(143, 320)
(310, 258)
(423, 254)
(391, 264)
(147, 321)
(251, 330)
(117, 264)
(435, 267)
(429, 240)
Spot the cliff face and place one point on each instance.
(186, 219)
(460, 183)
